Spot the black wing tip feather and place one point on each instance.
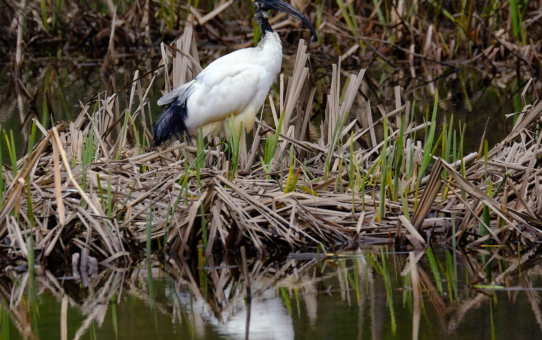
(171, 125)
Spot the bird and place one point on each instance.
(234, 85)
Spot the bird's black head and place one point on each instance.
(280, 5)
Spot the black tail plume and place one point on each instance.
(171, 124)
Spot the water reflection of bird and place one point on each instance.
(233, 85)
(269, 317)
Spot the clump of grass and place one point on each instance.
(234, 146)
(271, 143)
(88, 155)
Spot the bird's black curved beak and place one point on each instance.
(285, 7)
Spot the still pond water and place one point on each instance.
(356, 295)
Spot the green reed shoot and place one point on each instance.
(389, 167)
(380, 14)
(353, 180)
(235, 141)
(383, 174)
(486, 213)
(336, 132)
(514, 13)
(291, 171)
(32, 303)
(438, 7)
(102, 200)
(412, 137)
(455, 156)
(318, 16)
(88, 154)
(11, 149)
(271, 143)
(465, 92)
(429, 142)
(291, 182)
(348, 18)
(351, 176)
(447, 150)
(399, 160)
(200, 164)
(167, 15)
(463, 168)
(404, 205)
(447, 142)
(43, 6)
(294, 181)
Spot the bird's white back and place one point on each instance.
(233, 85)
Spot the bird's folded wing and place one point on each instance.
(178, 93)
(224, 92)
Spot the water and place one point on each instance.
(360, 296)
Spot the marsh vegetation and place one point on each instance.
(373, 144)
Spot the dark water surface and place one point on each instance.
(358, 295)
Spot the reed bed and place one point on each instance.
(392, 32)
(93, 191)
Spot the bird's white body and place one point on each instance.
(233, 85)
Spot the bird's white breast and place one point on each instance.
(235, 84)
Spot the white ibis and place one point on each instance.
(233, 85)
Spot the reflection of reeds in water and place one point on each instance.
(213, 296)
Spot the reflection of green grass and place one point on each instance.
(384, 270)
(4, 321)
(434, 268)
(286, 298)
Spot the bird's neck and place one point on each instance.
(261, 19)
